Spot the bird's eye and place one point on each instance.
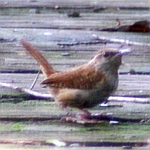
(106, 55)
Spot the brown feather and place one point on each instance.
(44, 64)
(87, 78)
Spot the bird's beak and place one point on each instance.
(124, 51)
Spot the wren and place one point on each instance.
(84, 86)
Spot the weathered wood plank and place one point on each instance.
(49, 130)
(16, 59)
(14, 147)
(74, 3)
(56, 19)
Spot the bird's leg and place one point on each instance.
(85, 115)
(67, 110)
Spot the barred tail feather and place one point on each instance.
(44, 64)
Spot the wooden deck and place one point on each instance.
(32, 124)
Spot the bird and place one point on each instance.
(83, 86)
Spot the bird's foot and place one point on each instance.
(88, 118)
(72, 117)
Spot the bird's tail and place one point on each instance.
(45, 66)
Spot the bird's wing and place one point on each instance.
(80, 78)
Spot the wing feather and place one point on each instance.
(78, 78)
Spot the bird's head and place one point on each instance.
(107, 59)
